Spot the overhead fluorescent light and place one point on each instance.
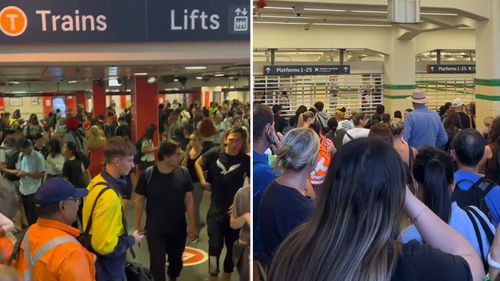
(279, 8)
(438, 14)
(195, 67)
(72, 82)
(285, 17)
(141, 74)
(354, 24)
(151, 80)
(14, 82)
(271, 22)
(219, 75)
(176, 80)
(369, 12)
(199, 77)
(324, 10)
(19, 92)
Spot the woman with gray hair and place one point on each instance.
(286, 201)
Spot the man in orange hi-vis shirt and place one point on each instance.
(49, 250)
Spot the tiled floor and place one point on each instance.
(189, 273)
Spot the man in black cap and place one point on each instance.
(49, 247)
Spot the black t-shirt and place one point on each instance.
(423, 263)
(279, 123)
(282, 209)
(72, 170)
(165, 193)
(226, 174)
(465, 120)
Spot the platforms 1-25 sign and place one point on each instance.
(451, 68)
(289, 70)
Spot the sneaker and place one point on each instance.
(195, 240)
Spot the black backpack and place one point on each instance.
(137, 272)
(474, 196)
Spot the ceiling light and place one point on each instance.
(369, 12)
(270, 22)
(176, 80)
(219, 75)
(324, 10)
(14, 82)
(199, 77)
(72, 82)
(354, 24)
(19, 92)
(141, 74)
(195, 67)
(151, 80)
(438, 14)
(279, 8)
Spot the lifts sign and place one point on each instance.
(94, 21)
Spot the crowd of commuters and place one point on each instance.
(70, 179)
(413, 197)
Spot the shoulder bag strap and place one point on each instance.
(410, 157)
(89, 224)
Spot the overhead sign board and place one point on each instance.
(96, 21)
(452, 68)
(306, 69)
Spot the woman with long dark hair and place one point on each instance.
(433, 171)
(353, 235)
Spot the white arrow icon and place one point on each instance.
(237, 11)
(244, 12)
(268, 69)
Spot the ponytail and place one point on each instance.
(436, 193)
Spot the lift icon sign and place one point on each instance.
(241, 20)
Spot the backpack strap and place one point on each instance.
(487, 230)
(484, 185)
(478, 236)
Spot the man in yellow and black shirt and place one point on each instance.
(110, 240)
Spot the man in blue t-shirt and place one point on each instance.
(263, 137)
(423, 127)
(468, 150)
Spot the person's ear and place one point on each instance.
(454, 155)
(61, 205)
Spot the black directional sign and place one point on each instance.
(306, 69)
(451, 68)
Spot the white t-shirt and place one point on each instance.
(55, 165)
(355, 133)
(147, 157)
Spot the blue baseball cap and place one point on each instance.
(58, 189)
